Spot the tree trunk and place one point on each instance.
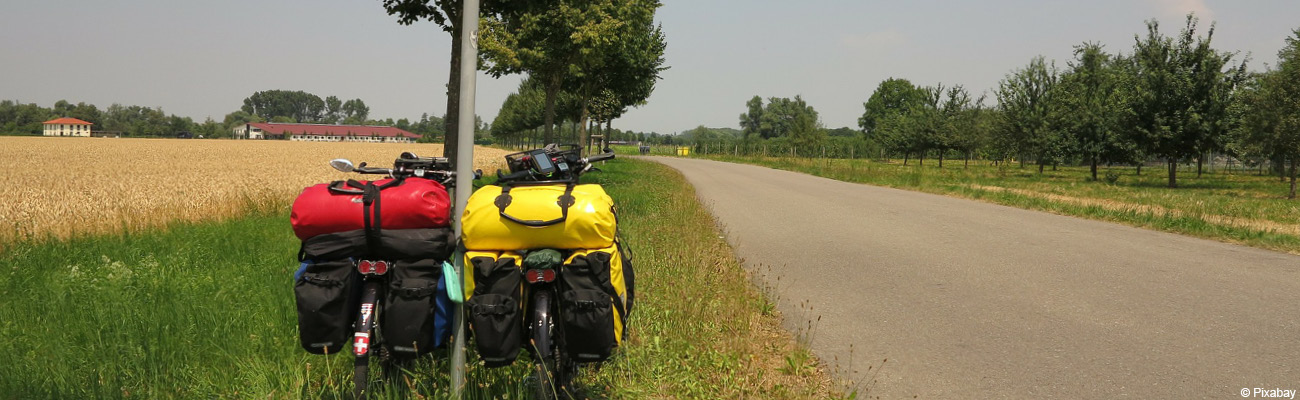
(1281, 168)
(905, 155)
(1041, 166)
(583, 146)
(966, 162)
(1199, 161)
(452, 118)
(1139, 169)
(920, 158)
(1293, 162)
(552, 89)
(1094, 169)
(1173, 173)
(940, 159)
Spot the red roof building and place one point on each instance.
(67, 127)
(325, 133)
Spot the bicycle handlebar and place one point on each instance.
(599, 157)
(512, 176)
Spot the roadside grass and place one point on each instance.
(1237, 206)
(206, 310)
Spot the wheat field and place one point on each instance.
(63, 187)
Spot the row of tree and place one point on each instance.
(587, 61)
(1176, 99)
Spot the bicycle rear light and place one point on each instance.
(540, 275)
(372, 267)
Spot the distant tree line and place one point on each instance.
(277, 106)
(17, 118)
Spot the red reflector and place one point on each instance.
(540, 275)
(381, 268)
(365, 267)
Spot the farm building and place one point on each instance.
(324, 133)
(67, 127)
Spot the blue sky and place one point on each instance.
(201, 59)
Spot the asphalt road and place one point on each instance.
(974, 300)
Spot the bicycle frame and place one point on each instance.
(366, 337)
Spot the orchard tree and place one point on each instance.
(892, 97)
(1025, 100)
(751, 121)
(1181, 93)
(1271, 118)
(1090, 103)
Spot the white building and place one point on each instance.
(67, 127)
(246, 131)
(324, 133)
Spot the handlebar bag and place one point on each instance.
(522, 216)
(494, 291)
(596, 293)
(338, 206)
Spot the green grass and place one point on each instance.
(1237, 206)
(206, 310)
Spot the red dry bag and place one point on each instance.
(410, 204)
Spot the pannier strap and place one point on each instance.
(415, 293)
(602, 277)
(352, 186)
(506, 308)
(565, 201)
(318, 281)
(369, 192)
(590, 304)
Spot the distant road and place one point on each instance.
(975, 300)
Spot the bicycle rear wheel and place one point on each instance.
(552, 372)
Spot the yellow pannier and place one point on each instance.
(523, 216)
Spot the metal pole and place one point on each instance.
(464, 172)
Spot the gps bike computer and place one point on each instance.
(542, 161)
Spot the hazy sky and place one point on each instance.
(202, 58)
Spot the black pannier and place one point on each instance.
(494, 306)
(326, 293)
(411, 321)
(596, 292)
(417, 309)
